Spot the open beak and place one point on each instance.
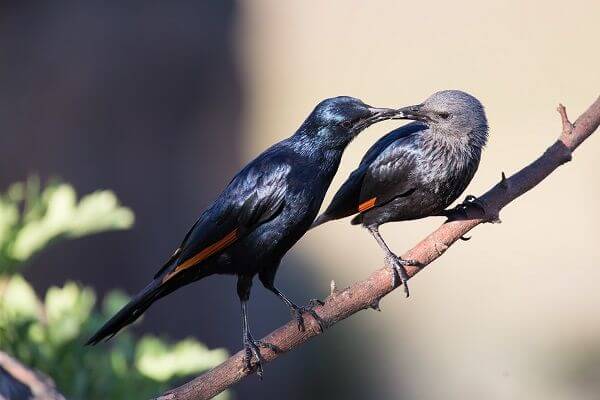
(415, 112)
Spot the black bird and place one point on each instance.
(415, 171)
(260, 215)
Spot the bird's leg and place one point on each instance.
(393, 261)
(251, 346)
(298, 311)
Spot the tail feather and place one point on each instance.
(130, 312)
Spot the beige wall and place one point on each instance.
(514, 312)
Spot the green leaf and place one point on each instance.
(161, 362)
(36, 234)
(48, 335)
(9, 217)
(19, 300)
(97, 212)
(56, 213)
(67, 309)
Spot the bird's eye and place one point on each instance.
(444, 115)
(346, 124)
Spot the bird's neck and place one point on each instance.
(317, 152)
(449, 158)
(451, 153)
(466, 145)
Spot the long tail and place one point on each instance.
(131, 311)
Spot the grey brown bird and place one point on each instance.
(261, 214)
(415, 171)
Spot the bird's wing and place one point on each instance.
(350, 195)
(382, 144)
(253, 197)
(389, 175)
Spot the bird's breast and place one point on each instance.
(447, 173)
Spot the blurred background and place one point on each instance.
(162, 102)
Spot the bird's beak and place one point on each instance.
(381, 114)
(415, 112)
(377, 115)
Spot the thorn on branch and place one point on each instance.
(332, 288)
(567, 126)
(465, 238)
(375, 305)
(504, 182)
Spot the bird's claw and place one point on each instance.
(398, 265)
(474, 202)
(251, 348)
(299, 311)
(470, 201)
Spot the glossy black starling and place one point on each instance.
(260, 215)
(415, 171)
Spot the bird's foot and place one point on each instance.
(251, 348)
(399, 273)
(299, 312)
(461, 211)
(472, 201)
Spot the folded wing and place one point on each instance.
(253, 197)
(374, 180)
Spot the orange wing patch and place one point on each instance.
(367, 205)
(204, 254)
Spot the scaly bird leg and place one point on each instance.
(297, 311)
(393, 261)
(251, 346)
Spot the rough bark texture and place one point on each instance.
(366, 294)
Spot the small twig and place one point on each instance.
(567, 126)
(366, 294)
(332, 288)
(504, 181)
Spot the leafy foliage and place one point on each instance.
(30, 219)
(48, 334)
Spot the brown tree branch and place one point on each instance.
(18, 382)
(366, 294)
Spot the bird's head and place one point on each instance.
(336, 121)
(451, 112)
